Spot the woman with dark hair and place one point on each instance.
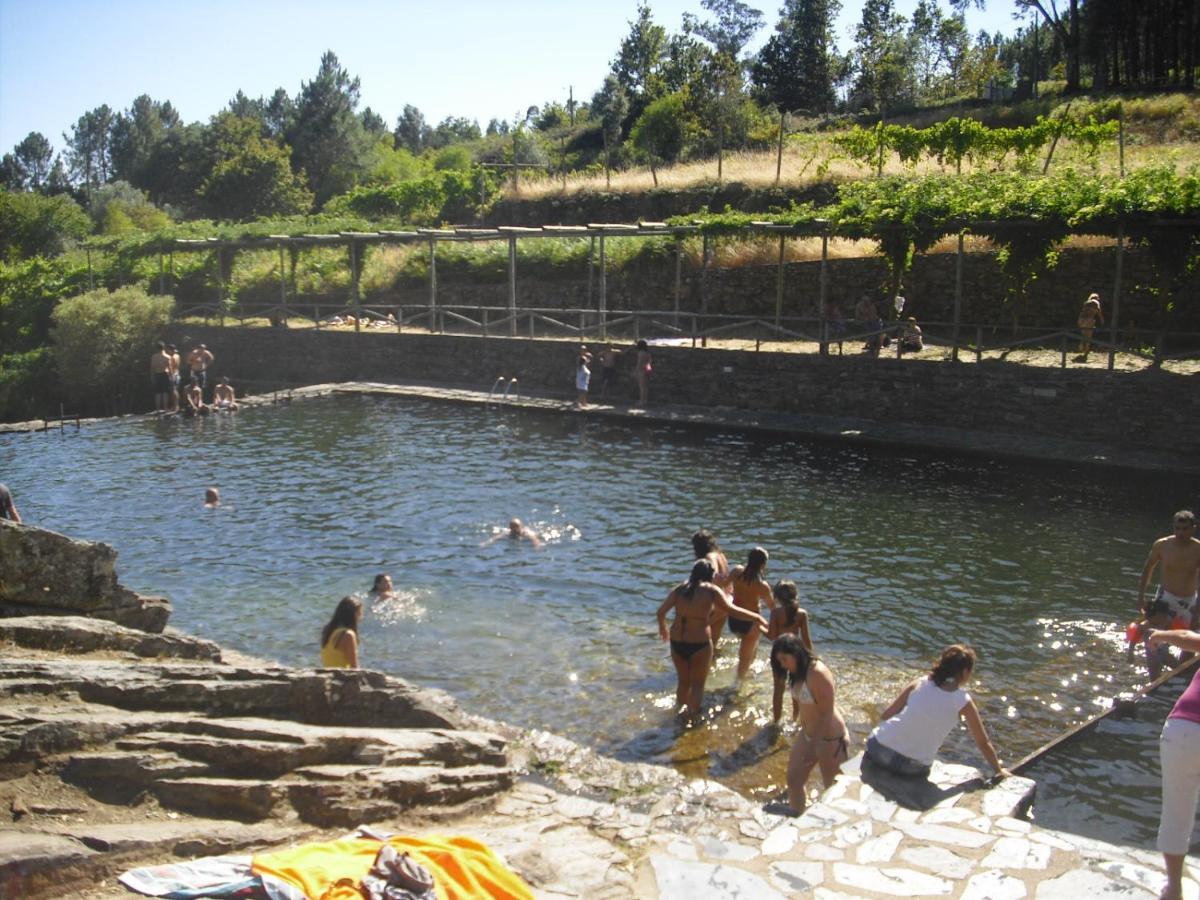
(339, 637)
(786, 618)
(641, 372)
(750, 591)
(381, 588)
(690, 634)
(913, 728)
(823, 739)
(704, 546)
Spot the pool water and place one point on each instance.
(896, 554)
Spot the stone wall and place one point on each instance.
(1084, 404)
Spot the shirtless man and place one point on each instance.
(1179, 580)
(224, 397)
(198, 361)
(176, 365)
(160, 375)
(517, 530)
(8, 509)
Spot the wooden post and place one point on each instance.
(779, 283)
(1121, 138)
(354, 286)
(678, 274)
(704, 289)
(978, 343)
(91, 278)
(162, 273)
(779, 150)
(1116, 310)
(591, 268)
(220, 291)
(433, 286)
(958, 290)
(603, 294)
(823, 296)
(512, 285)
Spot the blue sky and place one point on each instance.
(483, 60)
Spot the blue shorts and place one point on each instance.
(896, 763)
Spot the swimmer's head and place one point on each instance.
(383, 582)
(515, 527)
(212, 497)
(956, 663)
(1185, 521)
(703, 542)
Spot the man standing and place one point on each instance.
(8, 509)
(199, 360)
(160, 375)
(608, 369)
(1179, 580)
(173, 352)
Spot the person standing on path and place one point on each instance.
(608, 369)
(1089, 317)
(1179, 580)
(8, 509)
(160, 376)
(1179, 752)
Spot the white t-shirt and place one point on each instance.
(919, 729)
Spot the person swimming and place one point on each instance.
(690, 634)
(381, 588)
(517, 530)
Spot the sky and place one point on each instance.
(482, 60)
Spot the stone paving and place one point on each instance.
(697, 839)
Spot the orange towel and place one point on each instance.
(462, 868)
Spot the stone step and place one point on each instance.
(244, 800)
(79, 634)
(119, 777)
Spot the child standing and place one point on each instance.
(583, 375)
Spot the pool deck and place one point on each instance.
(847, 431)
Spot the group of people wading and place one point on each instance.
(914, 726)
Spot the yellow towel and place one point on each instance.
(462, 868)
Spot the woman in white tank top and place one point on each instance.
(915, 725)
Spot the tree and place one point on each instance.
(638, 65)
(794, 69)
(411, 130)
(250, 176)
(327, 136)
(733, 27)
(611, 105)
(278, 114)
(34, 225)
(88, 150)
(454, 130)
(101, 342)
(880, 57)
(136, 133)
(34, 155)
(176, 166)
(661, 132)
(1064, 22)
(373, 123)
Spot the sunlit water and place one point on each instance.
(896, 554)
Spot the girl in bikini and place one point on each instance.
(823, 739)
(750, 591)
(704, 545)
(690, 634)
(786, 618)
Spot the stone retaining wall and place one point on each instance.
(1151, 407)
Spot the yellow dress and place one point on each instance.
(331, 656)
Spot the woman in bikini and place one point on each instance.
(704, 545)
(786, 618)
(1089, 317)
(750, 591)
(690, 634)
(823, 739)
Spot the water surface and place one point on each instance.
(896, 555)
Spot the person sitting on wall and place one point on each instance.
(194, 397)
(912, 340)
(224, 397)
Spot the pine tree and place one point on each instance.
(794, 69)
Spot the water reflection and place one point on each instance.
(896, 554)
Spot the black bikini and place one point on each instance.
(686, 649)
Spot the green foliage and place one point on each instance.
(34, 225)
(29, 291)
(389, 164)
(27, 381)
(101, 344)
(251, 176)
(442, 197)
(662, 131)
(455, 158)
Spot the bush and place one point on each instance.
(27, 385)
(101, 345)
(33, 225)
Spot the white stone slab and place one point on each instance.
(855, 834)
(1016, 826)
(994, 885)
(576, 807)
(679, 880)
(822, 893)
(781, 840)
(1005, 797)
(714, 848)
(683, 849)
(982, 824)
(846, 805)
(880, 808)
(1017, 853)
(1150, 879)
(878, 849)
(1050, 839)
(953, 815)
(824, 853)
(820, 816)
(906, 815)
(944, 834)
(939, 860)
(796, 877)
(1082, 883)
(893, 881)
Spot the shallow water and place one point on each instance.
(896, 555)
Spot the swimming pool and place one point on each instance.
(896, 555)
